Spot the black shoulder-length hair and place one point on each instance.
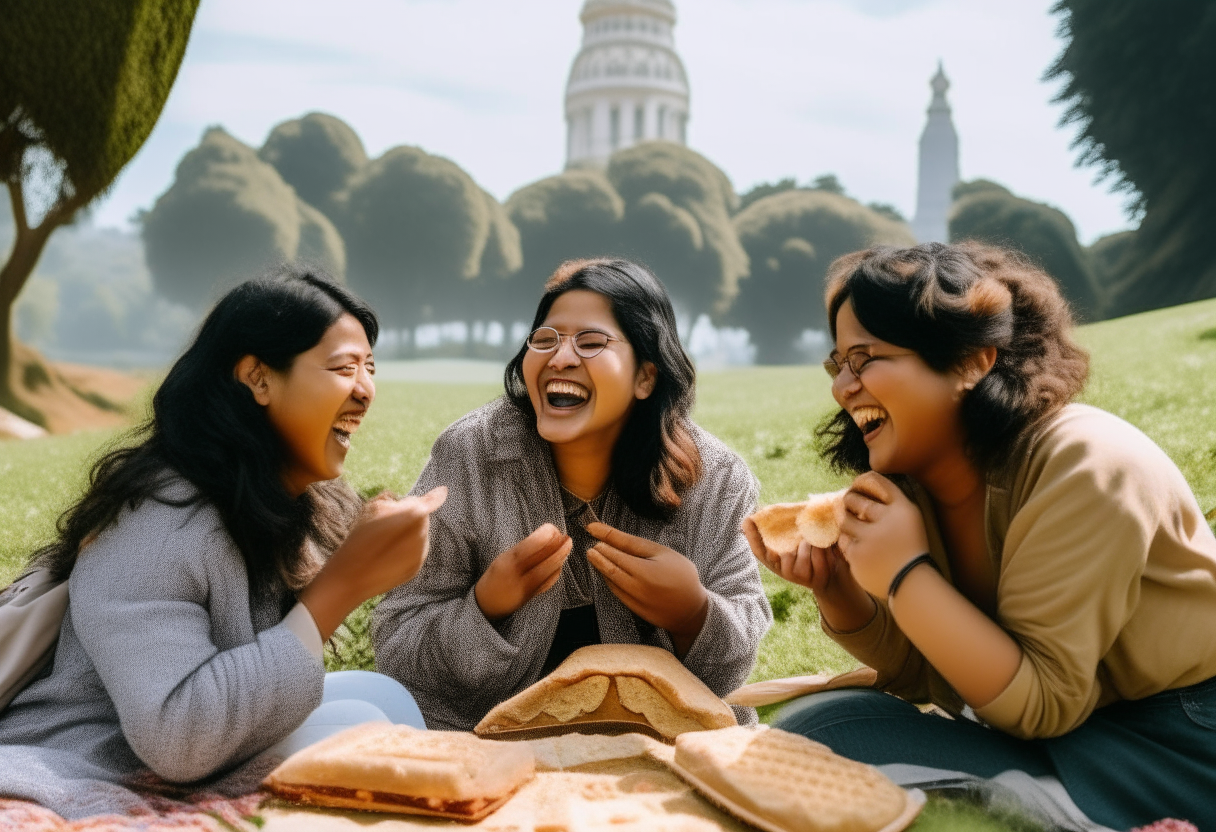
(655, 459)
(207, 428)
(945, 303)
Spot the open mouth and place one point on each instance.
(344, 428)
(869, 419)
(563, 394)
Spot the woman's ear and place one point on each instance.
(255, 375)
(977, 365)
(645, 380)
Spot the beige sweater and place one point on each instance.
(1107, 580)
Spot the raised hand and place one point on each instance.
(880, 531)
(659, 584)
(386, 547)
(527, 569)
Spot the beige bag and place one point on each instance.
(31, 612)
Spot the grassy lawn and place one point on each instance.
(1157, 370)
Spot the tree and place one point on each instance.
(316, 154)
(416, 226)
(791, 238)
(991, 214)
(763, 189)
(574, 214)
(1108, 260)
(1140, 82)
(678, 208)
(227, 217)
(81, 86)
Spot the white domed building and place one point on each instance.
(627, 84)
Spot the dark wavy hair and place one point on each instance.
(207, 428)
(946, 302)
(655, 459)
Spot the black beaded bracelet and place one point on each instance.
(908, 567)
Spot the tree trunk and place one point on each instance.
(28, 244)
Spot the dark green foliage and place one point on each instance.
(415, 225)
(991, 214)
(317, 155)
(227, 217)
(1108, 259)
(677, 220)
(1140, 82)
(977, 186)
(791, 238)
(760, 191)
(828, 182)
(86, 81)
(886, 209)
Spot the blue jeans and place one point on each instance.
(1129, 764)
(352, 697)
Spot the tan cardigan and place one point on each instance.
(1107, 580)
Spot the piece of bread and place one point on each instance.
(381, 767)
(783, 782)
(784, 525)
(612, 688)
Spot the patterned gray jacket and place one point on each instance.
(431, 635)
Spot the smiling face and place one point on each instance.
(319, 402)
(908, 412)
(585, 399)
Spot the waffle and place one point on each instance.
(381, 767)
(782, 782)
(611, 688)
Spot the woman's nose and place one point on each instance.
(845, 384)
(365, 387)
(564, 355)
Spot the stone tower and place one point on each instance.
(938, 167)
(627, 84)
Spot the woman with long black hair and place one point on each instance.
(199, 566)
(585, 507)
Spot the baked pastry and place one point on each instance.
(381, 767)
(784, 525)
(783, 782)
(612, 688)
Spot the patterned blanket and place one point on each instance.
(199, 811)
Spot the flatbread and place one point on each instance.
(611, 689)
(784, 525)
(783, 782)
(381, 767)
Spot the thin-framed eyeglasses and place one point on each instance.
(856, 362)
(587, 344)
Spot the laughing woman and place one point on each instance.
(200, 579)
(585, 507)
(1044, 563)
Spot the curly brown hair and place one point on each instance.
(945, 302)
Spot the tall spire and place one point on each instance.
(938, 166)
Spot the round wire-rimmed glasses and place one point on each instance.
(587, 344)
(855, 361)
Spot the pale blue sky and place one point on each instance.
(779, 88)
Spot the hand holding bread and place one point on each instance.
(385, 548)
(529, 568)
(880, 531)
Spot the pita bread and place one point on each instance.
(611, 689)
(783, 782)
(784, 525)
(381, 767)
(772, 691)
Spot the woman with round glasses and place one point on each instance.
(1005, 554)
(584, 507)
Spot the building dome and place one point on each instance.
(627, 83)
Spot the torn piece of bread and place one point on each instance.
(381, 767)
(784, 525)
(612, 688)
(783, 782)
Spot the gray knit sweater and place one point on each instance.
(164, 666)
(430, 634)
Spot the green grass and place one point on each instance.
(1157, 370)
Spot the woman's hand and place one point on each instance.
(659, 584)
(529, 568)
(880, 531)
(385, 548)
(825, 572)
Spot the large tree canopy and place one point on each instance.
(415, 226)
(318, 155)
(227, 217)
(677, 219)
(791, 238)
(1140, 82)
(81, 86)
(989, 213)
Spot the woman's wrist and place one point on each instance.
(849, 613)
(329, 601)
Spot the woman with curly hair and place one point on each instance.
(1037, 568)
(585, 507)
